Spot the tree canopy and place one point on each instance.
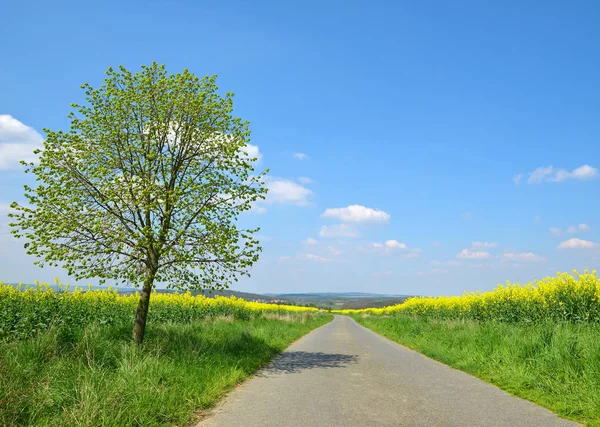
(147, 185)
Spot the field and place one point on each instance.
(67, 358)
(538, 341)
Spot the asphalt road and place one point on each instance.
(342, 374)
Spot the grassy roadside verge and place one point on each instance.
(554, 365)
(94, 376)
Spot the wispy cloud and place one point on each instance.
(305, 257)
(334, 251)
(338, 230)
(556, 231)
(552, 174)
(468, 254)
(305, 180)
(411, 253)
(522, 257)
(484, 245)
(390, 246)
(517, 178)
(571, 229)
(317, 258)
(258, 209)
(449, 263)
(301, 156)
(310, 241)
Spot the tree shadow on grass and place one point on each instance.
(292, 362)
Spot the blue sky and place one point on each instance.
(463, 134)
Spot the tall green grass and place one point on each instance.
(556, 365)
(95, 376)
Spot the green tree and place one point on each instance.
(145, 187)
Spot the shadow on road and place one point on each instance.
(298, 361)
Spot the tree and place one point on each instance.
(145, 187)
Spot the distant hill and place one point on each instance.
(337, 295)
(343, 300)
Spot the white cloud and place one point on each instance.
(300, 156)
(584, 172)
(17, 142)
(317, 258)
(394, 244)
(390, 246)
(537, 219)
(556, 231)
(552, 174)
(436, 244)
(484, 245)
(517, 178)
(584, 227)
(576, 244)
(284, 191)
(525, 257)
(572, 229)
(467, 254)
(466, 215)
(253, 152)
(310, 241)
(338, 230)
(358, 214)
(540, 175)
(305, 180)
(257, 209)
(284, 258)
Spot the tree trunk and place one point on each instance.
(139, 325)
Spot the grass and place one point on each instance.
(556, 365)
(95, 376)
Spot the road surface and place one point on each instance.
(342, 374)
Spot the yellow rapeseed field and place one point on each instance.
(567, 297)
(24, 311)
